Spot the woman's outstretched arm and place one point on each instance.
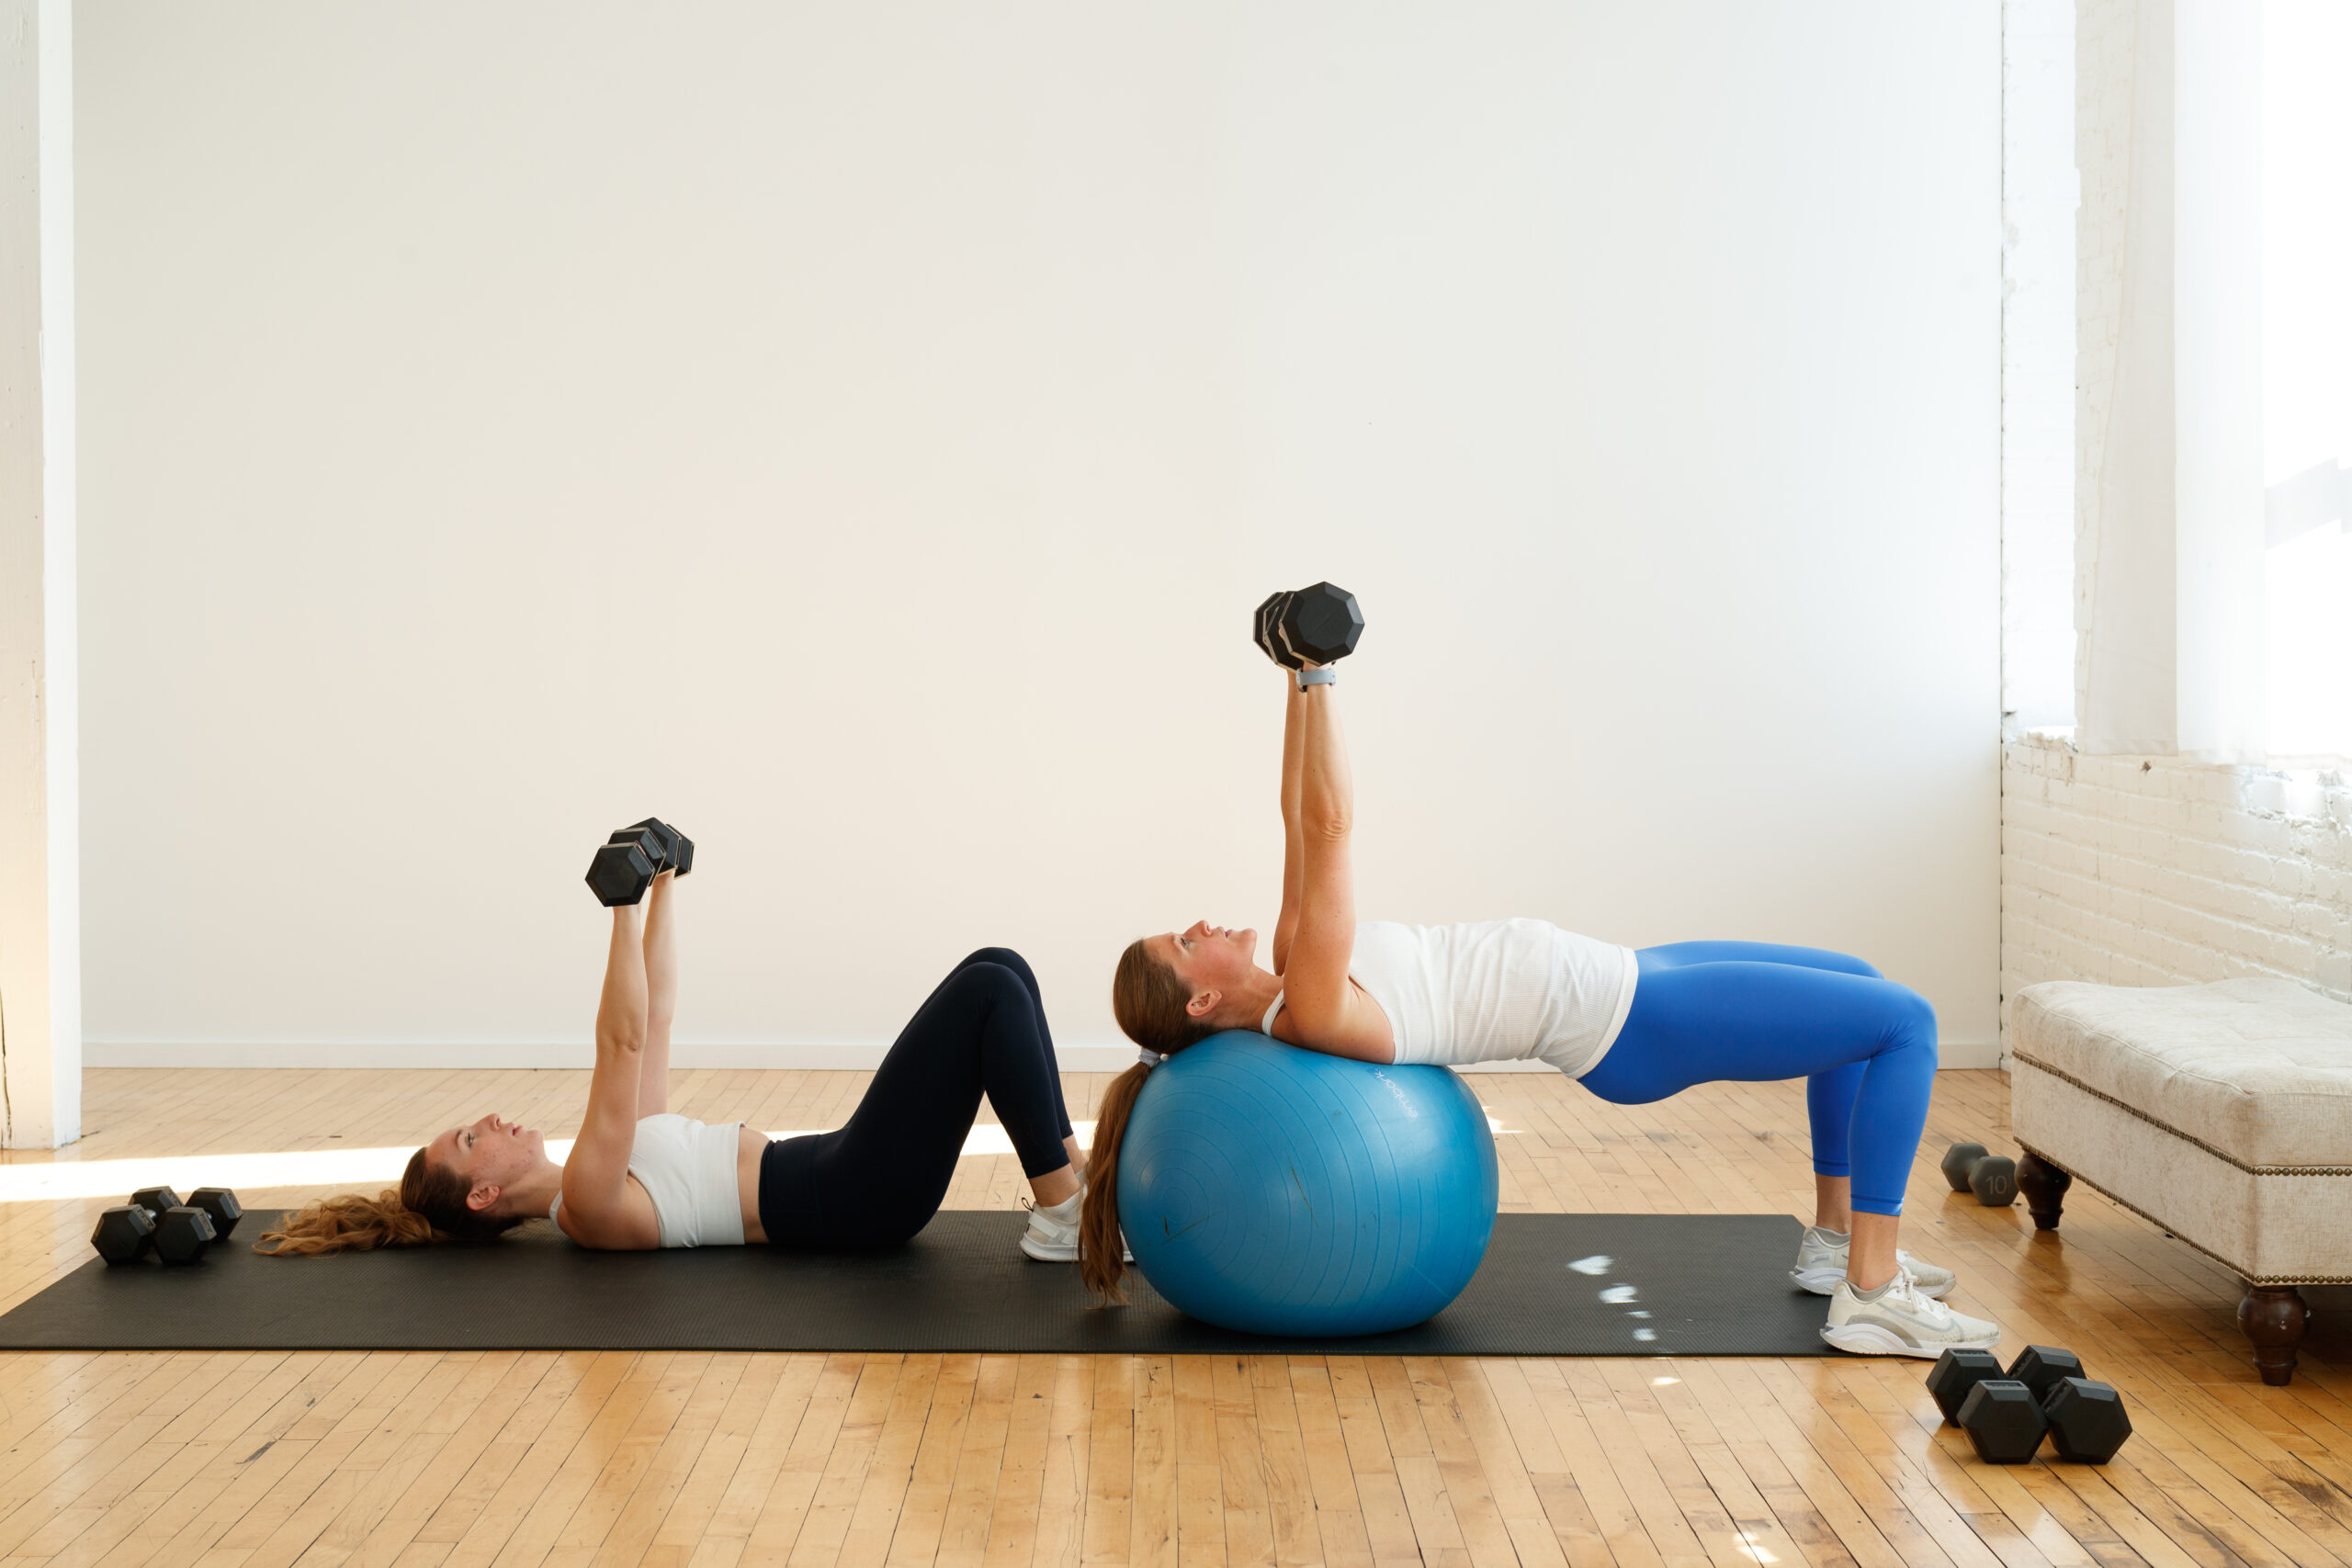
(1323, 1010)
(1294, 841)
(661, 997)
(596, 1210)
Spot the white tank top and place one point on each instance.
(687, 1167)
(1498, 991)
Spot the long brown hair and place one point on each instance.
(429, 1206)
(1150, 1002)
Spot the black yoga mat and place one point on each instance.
(1551, 1285)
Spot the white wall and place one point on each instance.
(860, 435)
(2152, 870)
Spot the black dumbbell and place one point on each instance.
(156, 1200)
(182, 1234)
(221, 1206)
(1992, 1177)
(125, 1233)
(1957, 1372)
(626, 864)
(2004, 1421)
(1262, 630)
(2087, 1422)
(2040, 1366)
(1315, 625)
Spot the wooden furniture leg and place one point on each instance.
(2273, 1317)
(2045, 1186)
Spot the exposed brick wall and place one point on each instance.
(2150, 870)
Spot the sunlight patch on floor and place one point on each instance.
(57, 1180)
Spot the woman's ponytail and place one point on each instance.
(1151, 1004)
(430, 1205)
(1101, 1250)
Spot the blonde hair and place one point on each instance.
(428, 1206)
(1149, 1001)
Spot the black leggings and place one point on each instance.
(879, 1179)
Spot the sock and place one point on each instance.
(1065, 1212)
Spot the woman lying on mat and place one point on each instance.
(641, 1177)
(1631, 1027)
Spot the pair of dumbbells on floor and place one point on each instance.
(627, 863)
(157, 1222)
(2042, 1394)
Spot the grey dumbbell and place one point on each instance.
(1992, 1177)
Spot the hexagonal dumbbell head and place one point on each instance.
(156, 1200)
(1262, 625)
(182, 1234)
(1994, 1179)
(619, 874)
(124, 1234)
(2004, 1420)
(677, 850)
(1957, 1372)
(2040, 1367)
(1322, 622)
(2087, 1422)
(221, 1206)
(1959, 1160)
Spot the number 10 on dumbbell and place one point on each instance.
(1992, 1177)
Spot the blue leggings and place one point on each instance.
(1754, 1011)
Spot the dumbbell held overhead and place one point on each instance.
(1307, 626)
(626, 864)
(1992, 1177)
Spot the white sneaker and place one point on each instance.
(1821, 1263)
(1902, 1323)
(1052, 1236)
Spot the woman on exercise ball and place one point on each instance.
(640, 1177)
(1631, 1027)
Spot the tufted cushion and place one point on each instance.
(2260, 1071)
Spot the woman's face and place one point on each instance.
(1210, 958)
(490, 1155)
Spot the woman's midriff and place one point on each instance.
(752, 1145)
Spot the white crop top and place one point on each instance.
(687, 1167)
(1498, 991)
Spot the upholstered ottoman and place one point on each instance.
(2222, 1112)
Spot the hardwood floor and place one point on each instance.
(993, 1461)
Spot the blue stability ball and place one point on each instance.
(1277, 1191)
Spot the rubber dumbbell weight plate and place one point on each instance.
(2004, 1421)
(1959, 1160)
(619, 874)
(124, 1234)
(1957, 1372)
(677, 850)
(2043, 1367)
(182, 1234)
(1994, 1179)
(1322, 622)
(2087, 1421)
(156, 1200)
(221, 1206)
(1265, 630)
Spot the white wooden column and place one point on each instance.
(40, 878)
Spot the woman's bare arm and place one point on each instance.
(661, 998)
(1323, 1010)
(1294, 841)
(597, 1207)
